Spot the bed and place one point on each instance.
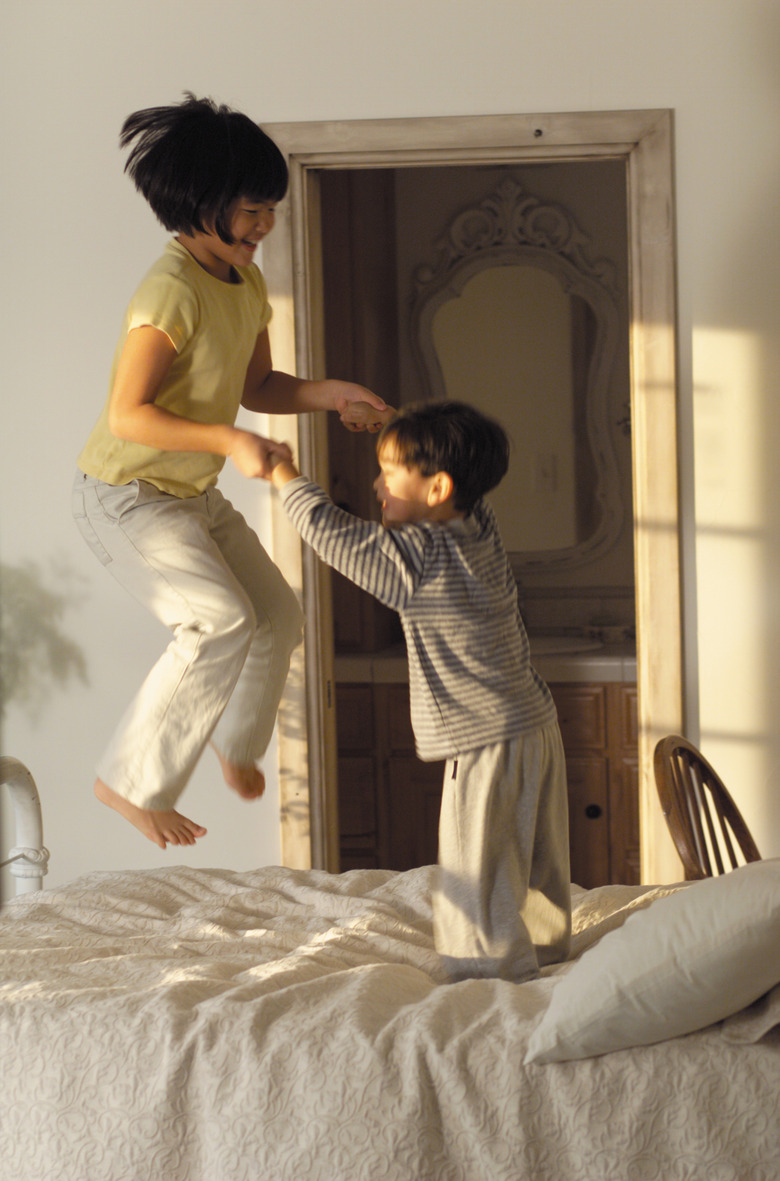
(210, 1025)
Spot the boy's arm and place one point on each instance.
(282, 471)
(269, 391)
(386, 563)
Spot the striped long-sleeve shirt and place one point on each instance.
(470, 678)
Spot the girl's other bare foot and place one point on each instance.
(163, 828)
(249, 781)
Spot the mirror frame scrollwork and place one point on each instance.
(512, 228)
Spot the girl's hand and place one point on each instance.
(363, 416)
(369, 416)
(255, 456)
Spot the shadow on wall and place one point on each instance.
(35, 654)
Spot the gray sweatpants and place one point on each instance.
(502, 906)
(199, 568)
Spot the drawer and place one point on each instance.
(582, 716)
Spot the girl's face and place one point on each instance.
(248, 222)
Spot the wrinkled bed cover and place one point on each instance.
(198, 1025)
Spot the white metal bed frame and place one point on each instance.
(29, 859)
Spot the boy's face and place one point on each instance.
(402, 491)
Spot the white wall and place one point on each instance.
(76, 237)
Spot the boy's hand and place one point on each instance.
(255, 456)
(282, 472)
(362, 416)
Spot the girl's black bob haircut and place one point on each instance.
(450, 437)
(192, 160)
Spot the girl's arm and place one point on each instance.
(133, 414)
(269, 391)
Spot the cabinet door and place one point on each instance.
(355, 717)
(357, 799)
(358, 822)
(413, 803)
(389, 801)
(412, 798)
(393, 701)
(357, 777)
(588, 820)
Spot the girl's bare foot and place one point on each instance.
(163, 828)
(249, 781)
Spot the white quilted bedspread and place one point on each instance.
(196, 1025)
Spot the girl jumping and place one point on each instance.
(193, 348)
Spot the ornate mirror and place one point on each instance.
(512, 316)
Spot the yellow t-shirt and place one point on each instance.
(214, 328)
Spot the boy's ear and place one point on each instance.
(441, 489)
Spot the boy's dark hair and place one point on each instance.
(192, 160)
(450, 437)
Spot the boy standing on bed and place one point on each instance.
(502, 902)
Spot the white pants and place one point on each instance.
(502, 906)
(199, 568)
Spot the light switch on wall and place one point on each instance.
(546, 472)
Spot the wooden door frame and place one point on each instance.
(292, 266)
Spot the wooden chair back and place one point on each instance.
(705, 823)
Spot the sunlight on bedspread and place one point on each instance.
(196, 1025)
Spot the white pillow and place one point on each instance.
(687, 960)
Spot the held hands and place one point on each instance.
(363, 416)
(359, 409)
(279, 466)
(255, 456)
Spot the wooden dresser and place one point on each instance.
(389, 800)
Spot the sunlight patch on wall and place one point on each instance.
(281, 332)
(728, 432)
(732, 532)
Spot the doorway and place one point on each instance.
(293, 267)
